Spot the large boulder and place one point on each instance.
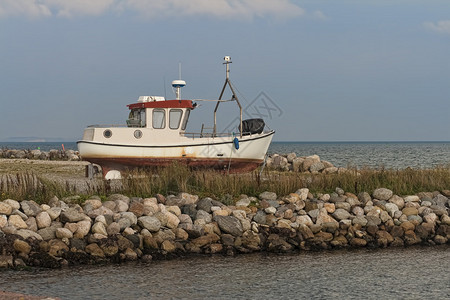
(150, 223)
(5, 209)
(30, 208)
(71, 215)
(341, 214)
(229, 224)
(382, 194)
(43, 220)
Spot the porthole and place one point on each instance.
(107, 133)
(137, 134)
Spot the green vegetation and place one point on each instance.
(225, 187)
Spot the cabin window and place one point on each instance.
(175, 118)
(136, 118)
(159, 118)
(185, 120)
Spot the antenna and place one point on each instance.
(178, 84)
(165, 93)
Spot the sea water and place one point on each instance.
(397, 155)
(394, 273)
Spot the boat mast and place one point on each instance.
(233, 96)
(178, 84)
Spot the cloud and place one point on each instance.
(71, 8)
(319, 15)
(29, 8)
(441, 26)
(224, 9)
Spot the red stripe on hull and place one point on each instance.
(222, 164)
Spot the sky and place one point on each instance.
(317, 70)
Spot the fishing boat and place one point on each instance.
(155, 135)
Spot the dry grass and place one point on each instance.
(215, 184)
(41, 185)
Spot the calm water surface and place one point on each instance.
(411, 273)
(397, 155)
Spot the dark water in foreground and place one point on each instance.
(411, 273)
(397, 155)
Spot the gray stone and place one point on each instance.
(364, 197)
(54, 212)
(344, 205)
(187, 199)
(303, 193)
(25, 234)
(382, 194)
(268, 196)
(229, 224)
(121, 206)
(313, 213)
(5, 209)
(304, 220)
(280, 163)
(130, 216)
(399, 201)
(123, 223)
(201, 214)
(63, 233)
(150, 223)
(43, 220)
(440, 200)
(17, 222)
(307, 163)
(119, 197)
(297, 164)
(205, 204)
(373, 220)
(13, 203)
(47, 233)
(341, 214)
(391, 208)
(260, 217)
(103, 210)
(243, 202)
(31, 223)
(360, 220)
(330, 170)
(270, 210)
(3, 221)
(185, 219)
(412, 198)
(172, 220)
(358, 211)
(30, 208)
(71, 215)
(415, 219)
(290, 157)
(317, 167)
(113, 228)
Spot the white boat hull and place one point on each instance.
(216, 153)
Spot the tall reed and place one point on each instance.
(178, 178)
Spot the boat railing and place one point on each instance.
(107, 125)
(194, 135)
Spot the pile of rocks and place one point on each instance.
(123, 228)
(41, 155)
(306, 164)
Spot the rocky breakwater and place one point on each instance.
(304, 164)
(53, 154)
(126, 229)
